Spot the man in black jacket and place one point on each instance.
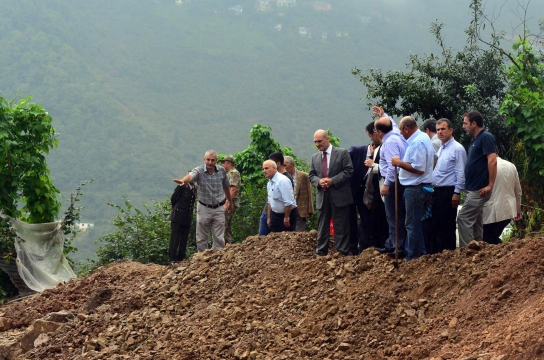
(183, 201)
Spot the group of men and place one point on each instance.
(400, 194)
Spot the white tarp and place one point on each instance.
(40, 258)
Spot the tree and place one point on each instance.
(444, 86)
(28, 193)
(26, 136)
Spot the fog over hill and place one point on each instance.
(140, 89)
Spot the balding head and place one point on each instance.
(383, 125)
(407, 126)
(321, 140)
(269, 169)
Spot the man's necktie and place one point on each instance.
(324, 168)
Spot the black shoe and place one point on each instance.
(383, 250)
(402, 254)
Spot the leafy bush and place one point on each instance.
(142, 235)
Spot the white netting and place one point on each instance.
(40, 258)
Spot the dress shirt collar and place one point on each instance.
(414, 135)
(328, 151)
(444, 145)
(275, 178)
(206, 170)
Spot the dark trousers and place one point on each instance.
(444, 220)
(493, 231)
(390, 212)
(379, 230)
(359, 231)
(178, 241)
(263, 225)
(276, 221)
(340, 217)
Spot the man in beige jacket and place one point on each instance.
(303, 193)
(504, 203)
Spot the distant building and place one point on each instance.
(278, 27)
(236, 10)
(84, 226)
(263, 5)
(322, 6)
(324, 35)
(179, 2)
(286, 3)
(302, 31)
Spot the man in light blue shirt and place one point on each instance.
(393, 144)
(416, 171)
(281, 200)
(448, 181)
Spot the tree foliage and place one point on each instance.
(443, 86)
(26, 136)
(28, 193)
(142, 235)
(523, 107)
(523, 104)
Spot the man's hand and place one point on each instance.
(325, 183)
(369, 205)
(268, 221)
(378, 110)
(455, 200)
(485, 191)
(230, 206)
(178, 181)
(518, 217)
(395, 161)
(369, 162)
(226, 205)
(384, 191)
(286, 222)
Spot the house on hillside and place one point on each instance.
(236, 10)
(85, 226)
(179, 2)
(263, 5)
(278, 27)
(302, 31)
(322, 6)
(286, 3)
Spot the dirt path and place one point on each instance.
(270, 298)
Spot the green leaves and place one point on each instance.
(26, 134)
(143, 234)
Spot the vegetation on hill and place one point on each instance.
(140, 89)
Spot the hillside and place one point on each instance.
(270, 298)
(140, 89)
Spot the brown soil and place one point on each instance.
(270, 298)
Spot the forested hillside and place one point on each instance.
(139, 89)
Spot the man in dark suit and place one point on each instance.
(330, 172)
(183, 202)
(357, 233)
(379, 230)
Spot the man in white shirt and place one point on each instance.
(504, 203)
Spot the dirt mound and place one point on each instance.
(270, 298)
